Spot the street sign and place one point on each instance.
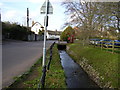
(43, 8)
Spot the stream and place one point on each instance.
(76, 77)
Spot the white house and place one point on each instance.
(50, 34)
(36, 28)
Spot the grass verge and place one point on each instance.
(105, 63)
(54, 79)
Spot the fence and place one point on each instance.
(45, 68)
(107, 45)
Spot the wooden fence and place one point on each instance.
(112, 45)
(45, 68)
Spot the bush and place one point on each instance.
(15, 31)
(68, 32)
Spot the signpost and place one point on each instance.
(45, 9)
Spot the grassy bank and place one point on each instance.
(54, 79)
(105, 63)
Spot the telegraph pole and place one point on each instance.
(0, 51)
(28, 18)
(0, 27)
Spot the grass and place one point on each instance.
(102, 61)
(54, 79)
(111, 50)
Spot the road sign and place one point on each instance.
(43, 8)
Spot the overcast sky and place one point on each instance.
(15, 11)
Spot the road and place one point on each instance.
(18, 57)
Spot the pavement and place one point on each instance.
(18, 57)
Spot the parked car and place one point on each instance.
(97, 42)
(109, 44)
(117, 43)
(94, 41)
(103, 41)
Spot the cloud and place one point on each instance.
(16, 12)
(1, 4)
(37, 1)
(11, 15)
(33, 1)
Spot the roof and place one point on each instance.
(54, 32)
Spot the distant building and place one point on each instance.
(50, 34)
(53, 34)
(36, 28)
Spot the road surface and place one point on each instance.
(18, 57)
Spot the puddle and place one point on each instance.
(76, 77)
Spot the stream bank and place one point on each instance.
(76, 77)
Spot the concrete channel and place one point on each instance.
(76, 77)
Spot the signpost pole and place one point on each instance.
(45, 9)
(44, 45)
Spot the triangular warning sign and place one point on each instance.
(43, 8)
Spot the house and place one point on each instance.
(50, 33)
(36, 27)
(53, 34)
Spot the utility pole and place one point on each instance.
(0, 52)
(0, 27)
(28, 18)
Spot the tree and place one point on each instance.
(15, 31)
(93, 16)
(68, 32)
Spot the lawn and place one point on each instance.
(104, 62)
(54, 79)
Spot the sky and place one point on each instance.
(16, 11)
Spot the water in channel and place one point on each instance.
(76, 77)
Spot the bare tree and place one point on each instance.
(92, 16)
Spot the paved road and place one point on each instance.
(18, 57)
